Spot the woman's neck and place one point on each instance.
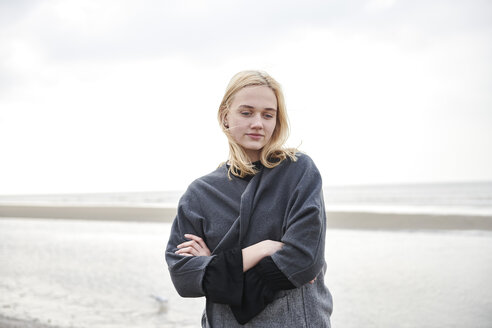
(253, 155)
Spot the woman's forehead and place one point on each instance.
(255, 96)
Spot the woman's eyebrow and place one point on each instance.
(246, 106)
(251, 107)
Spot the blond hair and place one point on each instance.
(273, 153)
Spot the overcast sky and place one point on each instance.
(101, 96)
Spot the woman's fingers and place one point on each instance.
(190, 243)
(187, 251)
(191, 248)
(199, 240)
(194, 247)
(185, 254)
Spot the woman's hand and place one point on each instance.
(194, 247)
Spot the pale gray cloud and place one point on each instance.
(217, 29)
(13, 12)
(156, 28)
(389, 80)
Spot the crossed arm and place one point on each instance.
(251, 254)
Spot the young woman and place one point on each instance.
(250, 236)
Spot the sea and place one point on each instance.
(468, 198)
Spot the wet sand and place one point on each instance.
(17, 323)
(336, 220)
(76, 273)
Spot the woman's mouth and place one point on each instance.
(255, 136)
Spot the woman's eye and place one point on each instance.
(245, 113)
(268, 115)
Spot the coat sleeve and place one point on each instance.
(302, 257)
(187, 271)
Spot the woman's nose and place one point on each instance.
(257, 123)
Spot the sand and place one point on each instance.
(407, 221)
(335, 219)
(89, 212)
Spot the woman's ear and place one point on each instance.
(226, 124)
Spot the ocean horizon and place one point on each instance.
(465, 198)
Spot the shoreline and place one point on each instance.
(406, 221)
(362, 220)
(90, 212)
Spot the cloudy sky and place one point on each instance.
(112, 95)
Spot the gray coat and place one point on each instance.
(284, 203)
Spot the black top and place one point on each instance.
(246, 293)
(258, 166)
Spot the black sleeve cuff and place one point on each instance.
(260, 286)
(223, 279)
(271, 274)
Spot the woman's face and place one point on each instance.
(251, 118)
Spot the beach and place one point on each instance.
(109, 270)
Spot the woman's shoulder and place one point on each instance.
(302, 168)
(304, 159)
(197, 188)
(301, 162)
(216, 177)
